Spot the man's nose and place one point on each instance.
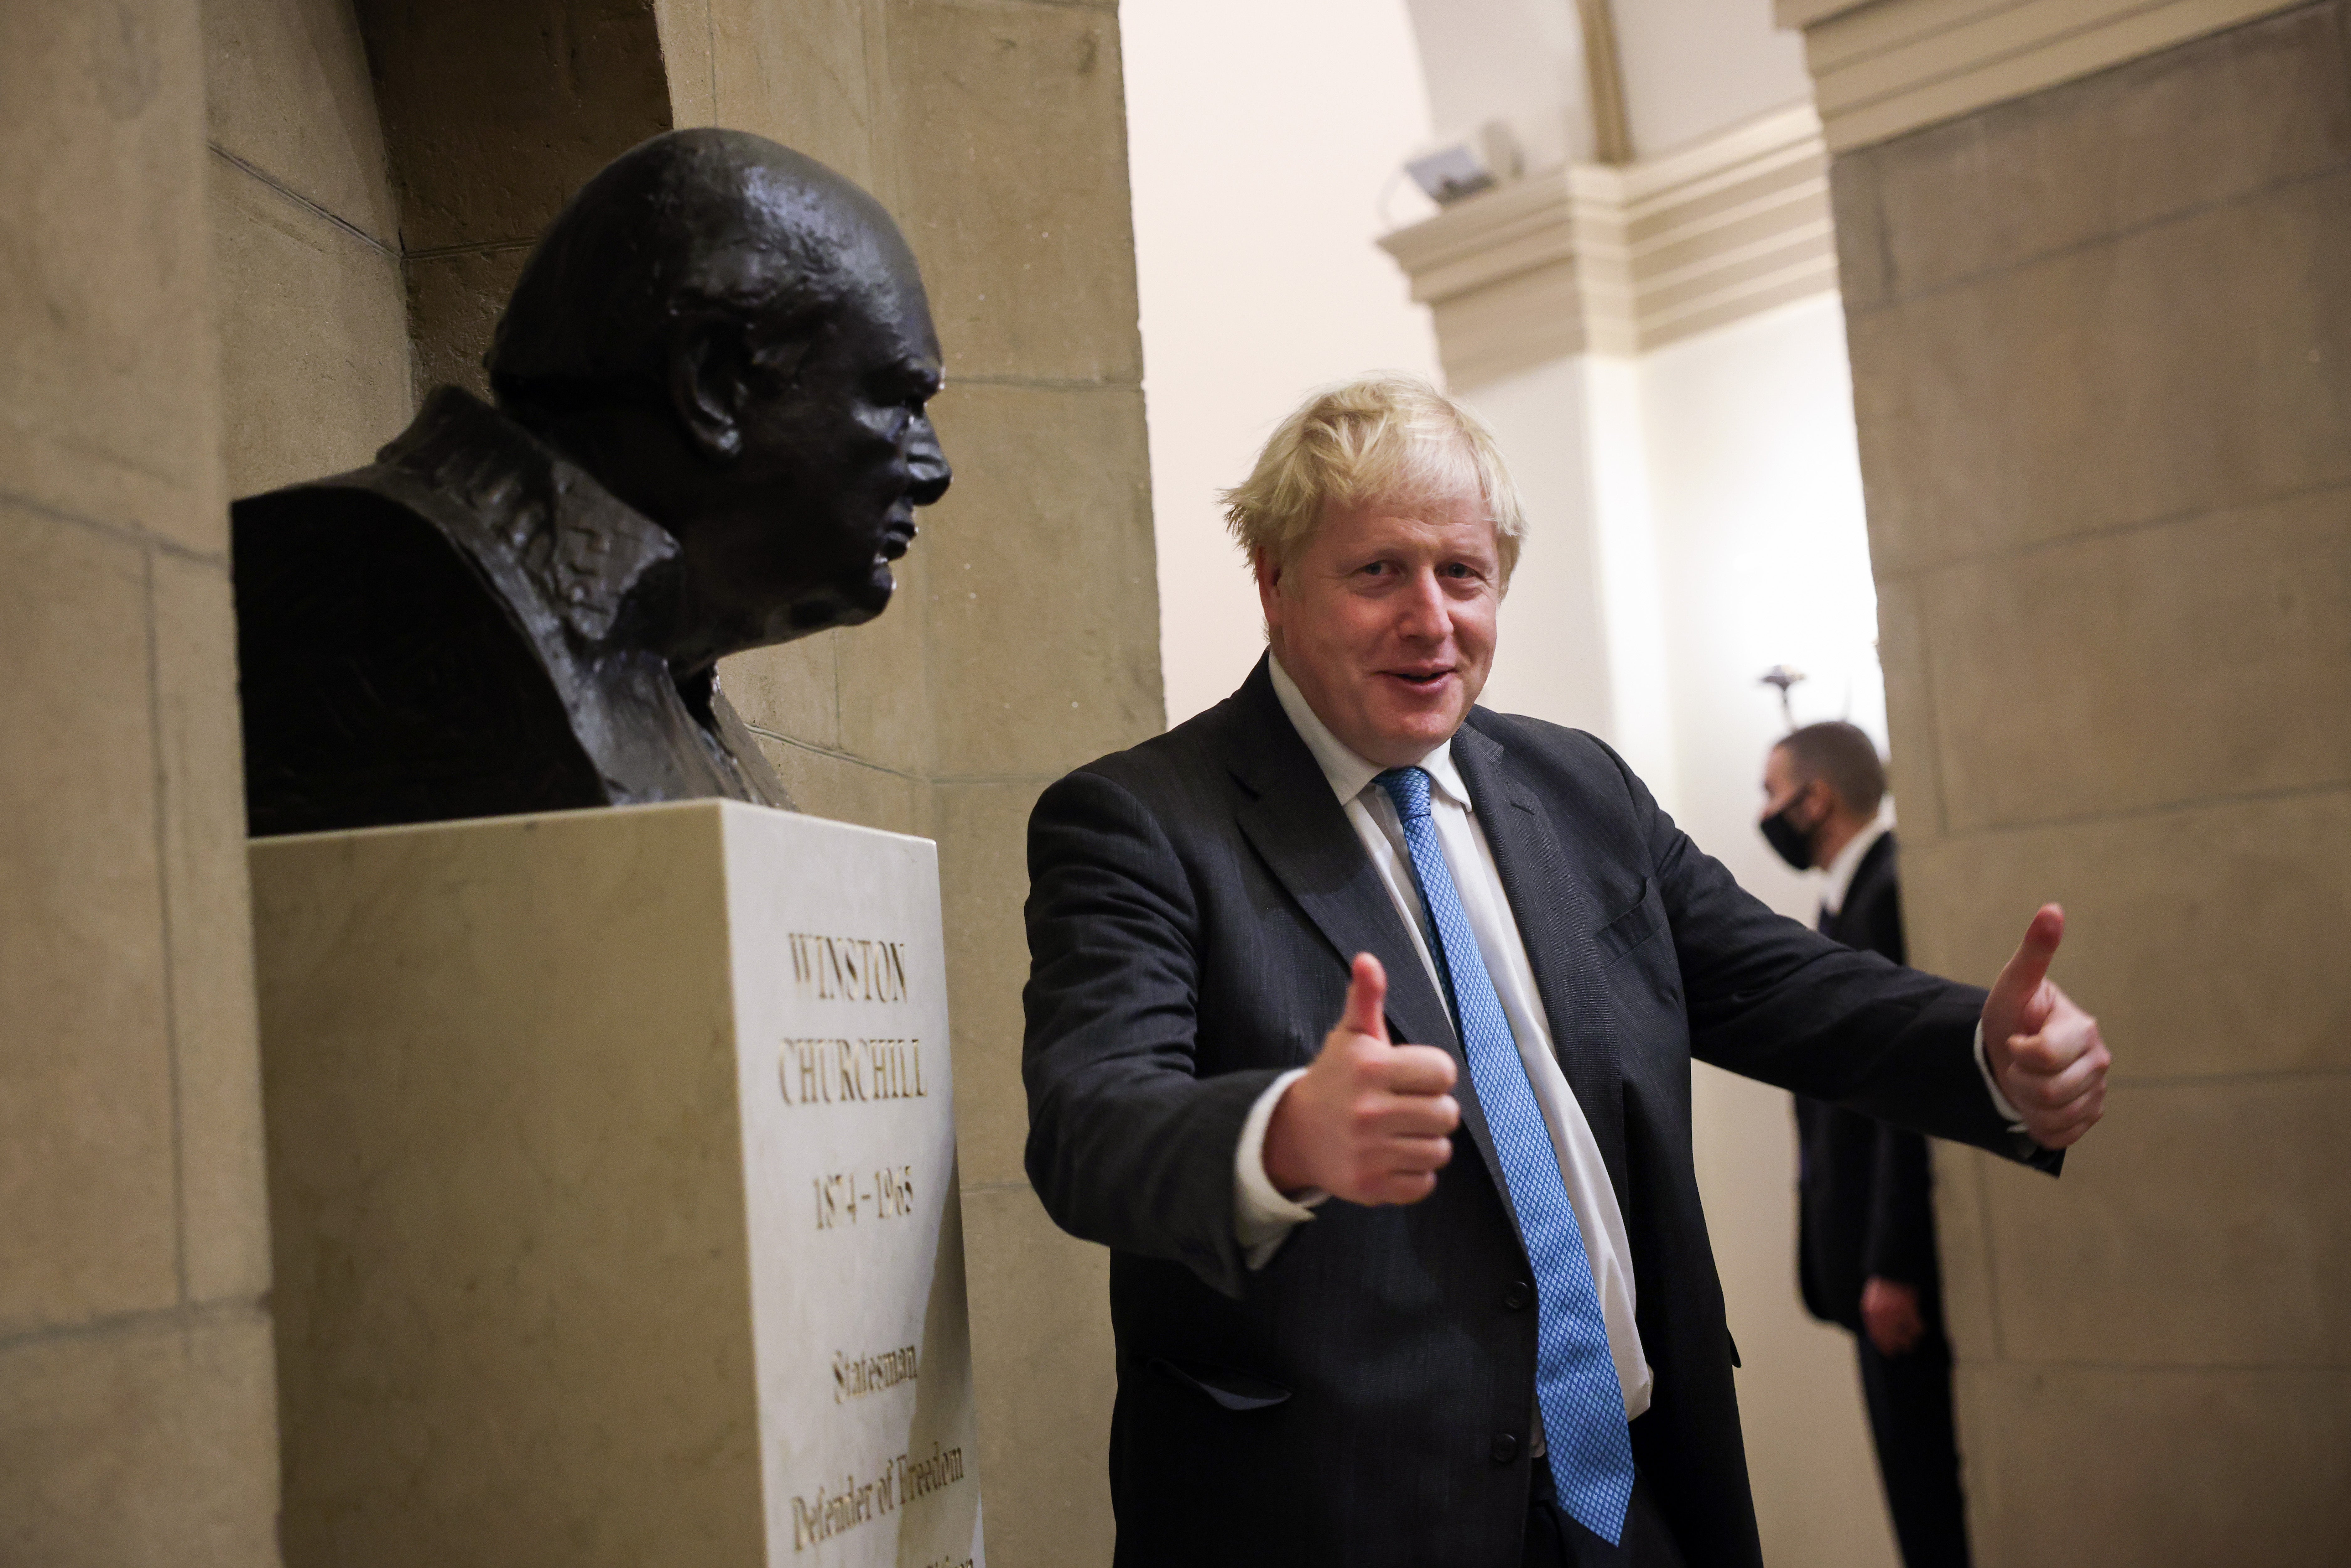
(1424, 615)
(927, 464)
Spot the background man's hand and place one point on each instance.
(1371, 1121)
(1890, 1314)
(2044, 1051)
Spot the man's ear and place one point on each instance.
(1269, 585)
(706, 389)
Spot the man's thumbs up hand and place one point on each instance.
(2044, 1051)
(1371, 1121)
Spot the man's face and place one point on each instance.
(1385, 618)
(837, 453)
(1781, 786)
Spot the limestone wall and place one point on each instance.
(137, 1424)
(241, 236)
(2102, 360)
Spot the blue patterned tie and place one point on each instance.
(1575, 1377)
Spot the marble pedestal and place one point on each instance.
(612, 1186)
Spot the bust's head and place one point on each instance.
(735, 340)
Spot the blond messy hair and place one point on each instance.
(1383, 437)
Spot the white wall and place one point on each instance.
(1693, 67)
(1756, 508)
(1520, 61)
(1260, 140)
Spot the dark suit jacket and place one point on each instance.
(1366, 1399)
(1865, 1200)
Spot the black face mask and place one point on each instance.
(1794, 844)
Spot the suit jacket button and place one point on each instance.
(1505, 1448)
(1518, 1296)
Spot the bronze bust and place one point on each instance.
(709, 435)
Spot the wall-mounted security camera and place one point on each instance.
(1462, 165)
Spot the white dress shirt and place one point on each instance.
(1263, 1218)
(1838, 878)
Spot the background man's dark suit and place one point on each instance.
(1867, 1211)
(1367, 1399)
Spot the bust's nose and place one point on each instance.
(926, 466)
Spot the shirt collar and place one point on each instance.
(1847, 861)
(1348, 773)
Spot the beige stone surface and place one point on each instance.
(2205, 658)
(2257, 108)
(883, 681)
(1013, 146)
(2143, 1253)
(2210, 939)
(562, 1153)
(794, 688)
(286, 91)
(983, 830)
(828, 784)
(2100, 371)
(88, 1211)
(1914, 773)
(493, 115)
(454, 300)
(813, 76)
(1046, 1370)
(314, 338)
(106, 391)
(150, 1445)
(207, 893)
(1970, 1315)
(2245, 396)
(2121, 1464)
(1040, 573)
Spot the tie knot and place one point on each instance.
(1408, 788)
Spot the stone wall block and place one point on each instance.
(2156, 666)
(454, 300)
(495, 114)
(2139, 409)
(826, 784)
(793, 688)
(2259, 107)
(106, 388)
(1044, 597)
(223, 1183)
(884, 681)
(1857, 212)
(1013, 148)
(2208, 940)
(151, 1446)
(2160, 1469)
(983, 830)
(1914, 770)
(805, 75)
(286, 90)
(1046, 1371)
(1963, 1243)
(314, 345)
(87, 1220)
(2143, 1251)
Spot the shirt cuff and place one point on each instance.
(1262, 1217)
(2008, 1112)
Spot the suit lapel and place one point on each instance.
(1300, 830)
(1557, 910)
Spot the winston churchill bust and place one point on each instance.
(708, 435)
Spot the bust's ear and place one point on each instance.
(708, 388)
